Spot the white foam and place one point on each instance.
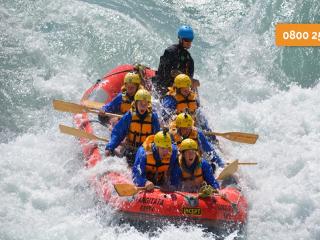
(43, 184)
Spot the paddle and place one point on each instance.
(93, 107)
(126, 189)
(229, 170)
(79, 133)
(249, 138)
(245, 163)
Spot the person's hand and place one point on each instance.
(148, 84)
(109, 153)
(113, 121)
(149, 185)
(195, 83)
(216, 142)
(221, 165)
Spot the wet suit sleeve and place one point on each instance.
(208, 175)
(169, 107)
(203, 124)
(139, 168)
(204, 144)
(174, 167)
(217, 159)
(165, 65)
(207, 147)
(119, 132)
(114, 105)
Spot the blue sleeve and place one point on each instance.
(207, 147)
(217, 159)
(139, 168)
(169, 105)
(114, 105)
(175, 172)
(155, 123)
(203, 142)
(119, 132)
(203, 124)
(208, 175)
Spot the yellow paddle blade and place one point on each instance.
(92, 104)
(68, 107)
(249, 138)
(229, 170)
(79, 133)
(125, 189)
(93, 107)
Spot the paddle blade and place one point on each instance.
(228, 170)
(125, 189)
(68, 107)
(79, 133)
(249, 138)
(92, 104)
(241, 137)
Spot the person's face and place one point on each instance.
(189, 157)
(163, 152)
(185, 91)
(142, 106)
(186, 43)
(131, 89)
(185, 131)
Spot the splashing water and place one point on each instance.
(58, 49)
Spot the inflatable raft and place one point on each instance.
(228, 209)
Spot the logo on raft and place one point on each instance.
(153, 201)
(192, 211)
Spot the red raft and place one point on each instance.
(225, 210)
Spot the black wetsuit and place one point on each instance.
(174, 58)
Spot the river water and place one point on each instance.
(57, 49)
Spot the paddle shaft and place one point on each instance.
(97, 107)
(246, 163)
(98, 111)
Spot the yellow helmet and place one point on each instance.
(188, 144)
(184, 120)
(182, 81)
(162, 140)
(132, 78)
(142, 94)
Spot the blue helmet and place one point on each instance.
(185, 32)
